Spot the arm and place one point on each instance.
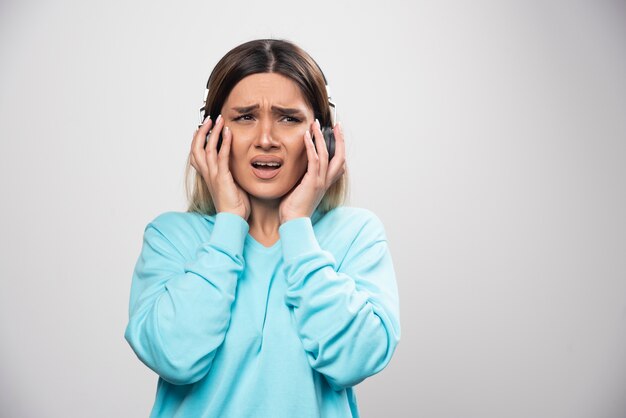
(346, 316)
(179, 309)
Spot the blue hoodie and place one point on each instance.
(237, 329)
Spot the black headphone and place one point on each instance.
(327, 130)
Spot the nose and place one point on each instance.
(264, 138)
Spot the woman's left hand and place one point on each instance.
(302, 200)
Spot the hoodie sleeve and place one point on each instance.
(347, 315)
(180, 308)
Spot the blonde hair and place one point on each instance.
(265, 56)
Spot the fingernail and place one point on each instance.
(318, 123)
(218, 118)
(206, 119)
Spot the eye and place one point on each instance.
(291, 119)
(246, 116)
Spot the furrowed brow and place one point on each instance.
(287, 110)
(246, 109)
(275, 109)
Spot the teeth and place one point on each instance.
(270, 164)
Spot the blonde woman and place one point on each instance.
(268, 297)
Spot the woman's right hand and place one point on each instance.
(227, 195)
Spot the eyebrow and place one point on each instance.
(275, 109)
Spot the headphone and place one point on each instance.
(327, 130)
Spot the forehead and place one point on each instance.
(266, 87)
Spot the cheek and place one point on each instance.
(237, 159)
(302, 163)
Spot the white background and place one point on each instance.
(489, 136)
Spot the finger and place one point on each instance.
(206, 125)
(224, 154)
(211, 147)
(338, 163)
(197, 146)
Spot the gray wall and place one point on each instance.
(489, 136)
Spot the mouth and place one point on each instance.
(266, 170)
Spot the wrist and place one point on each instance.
(287, 218)
(233, 212)
(298, 238)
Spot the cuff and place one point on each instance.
(297, 238)
(229, 232)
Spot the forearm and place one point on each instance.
(180, 319)
(349, 333)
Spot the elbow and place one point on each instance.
(339, 383)
(178, 369)
(353, 366)
(181, 375)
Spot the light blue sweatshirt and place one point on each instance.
(235, 329)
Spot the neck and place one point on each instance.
(264, 218)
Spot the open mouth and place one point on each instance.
(266, 170)
(266, 166)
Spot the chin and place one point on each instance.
(266, 191)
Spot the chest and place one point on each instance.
(260, 319)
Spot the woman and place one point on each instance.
(267, 298)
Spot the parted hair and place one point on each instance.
(264, 56)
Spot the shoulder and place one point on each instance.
(353, 221)
(176, 220)
(182, 229)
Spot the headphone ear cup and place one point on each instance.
(329, 138)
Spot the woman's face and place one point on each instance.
(267, 115)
